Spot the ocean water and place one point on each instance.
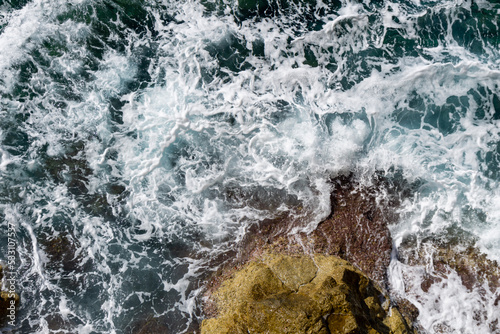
(139, 139)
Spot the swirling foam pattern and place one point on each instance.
(144, 136)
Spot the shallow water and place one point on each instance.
(150, 134)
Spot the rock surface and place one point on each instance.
(279, 293)
(356, 229)
(451, 253)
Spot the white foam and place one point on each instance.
(206, 154)
(446, 305)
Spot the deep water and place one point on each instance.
(140, 139)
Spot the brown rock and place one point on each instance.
(320, 295)
(343, 323)
(150, 325)
(357, 228)
(396, 322)
(451, 253)
(355, 231)
(7, 300)
(407, 309)
(59, 325)
(293, 271)
(284, 313)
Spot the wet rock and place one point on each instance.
(356, 229)
(450, 252)
(149, 324)
(58, 324)
(73, 170)
(61, 251)
(279, 293)
(408, 310)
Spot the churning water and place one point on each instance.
(139, 138)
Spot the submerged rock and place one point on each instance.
(149, 324)
(280, 293)
(62, 251)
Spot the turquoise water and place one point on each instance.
(145, 137)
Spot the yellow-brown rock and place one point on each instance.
(316, 294)
(396, 322)
(292, 271)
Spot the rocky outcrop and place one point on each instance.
(280, 293)
(356, 229)
(331, 280)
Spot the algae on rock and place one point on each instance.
(315, 294)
